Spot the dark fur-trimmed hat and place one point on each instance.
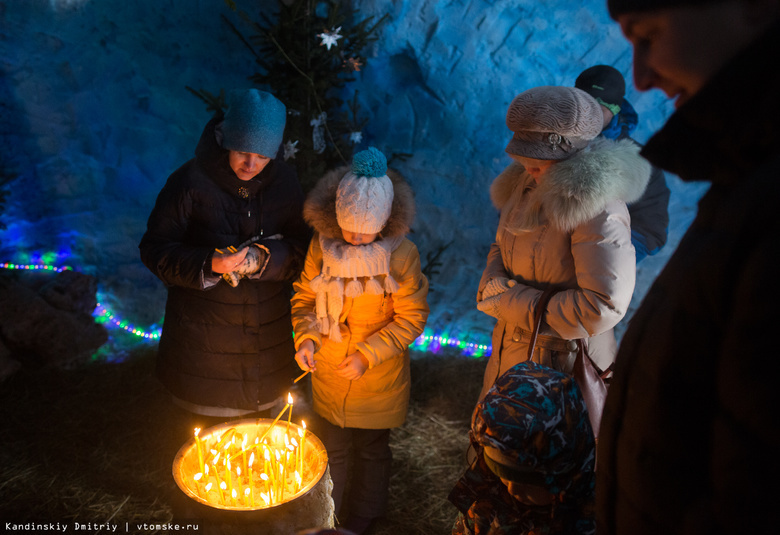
(621, 7)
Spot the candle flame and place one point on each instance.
(246, 491)
(238, 471)
(214, 462)
(294, 442)
(223, 485)
(251, 459)
(234, 494)
(243, 444)
(197, 431)
(264, 476)
(206, 469)
(265, 497)
(198, 476)
(208, 487)
(267, 455)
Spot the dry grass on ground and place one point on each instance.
(95, 445)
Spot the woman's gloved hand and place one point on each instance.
(254, 260)
(491, 295)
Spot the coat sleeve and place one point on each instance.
(494, 269)
(605, 263)
(303, 299)
(650, 216)
(162, 247)
(410, 313)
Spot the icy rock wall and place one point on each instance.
(96, 115)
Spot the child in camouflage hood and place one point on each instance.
(534, 469)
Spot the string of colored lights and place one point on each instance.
(425, 342)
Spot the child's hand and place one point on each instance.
(224, 261)
(353, 367)
(305, 356)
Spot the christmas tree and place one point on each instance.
(307, 53)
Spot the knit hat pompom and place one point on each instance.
(365, 194)
(552, 122)
(254, 122)
(369, 163)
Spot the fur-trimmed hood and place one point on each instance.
(319, 210)
(575, 190)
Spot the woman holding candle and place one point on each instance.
(227, 238)
(360, 302)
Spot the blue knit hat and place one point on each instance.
(254, 122)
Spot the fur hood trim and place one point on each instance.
(319, 210)
(575, 190)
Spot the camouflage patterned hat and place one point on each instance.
(536, 417)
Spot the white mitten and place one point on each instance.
(497, 286)
(490, 306)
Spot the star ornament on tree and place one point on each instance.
(329, 38)
(352, 64)
(290, 149)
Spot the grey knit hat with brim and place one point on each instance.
(254, 122)
(552, 122)
(621, 7)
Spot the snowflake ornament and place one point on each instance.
(290, 149)
(329, 38)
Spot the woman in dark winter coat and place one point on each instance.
(227, 238)
(533, 473)
(563, 225)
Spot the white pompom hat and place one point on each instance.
(365, 194)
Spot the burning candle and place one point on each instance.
(249, 493)
(264, 478)
(200, 451)
(234, 495)
(229, 479)
(243, 450)
(197, 477)
(302, 433)
(289, 414)
(222, 489)
(276, 419)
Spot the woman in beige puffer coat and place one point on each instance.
(563, 224)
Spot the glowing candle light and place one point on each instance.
(266, 498)
(302, 433)
(278, 416)
(199, 446)
(249, 494)
(298, 481)
(243, 450)
(264, 478)
(289, 414)
(234, 495)
(222, 489)
(229, 479)
(197, 477)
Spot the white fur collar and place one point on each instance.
(577, 189)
